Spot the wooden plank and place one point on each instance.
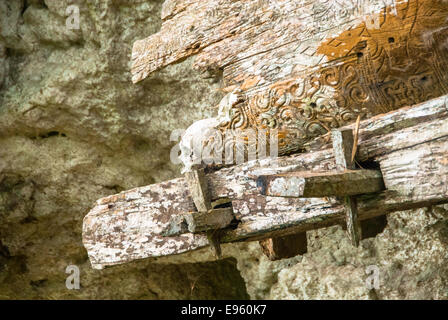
(284, 247)
(409, 145)
(321, 184)
(272, 39)
(318, 33)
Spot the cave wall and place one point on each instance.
(73, 128)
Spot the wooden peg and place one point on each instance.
(196, 222)
(206, 218)
(214, 237)
(211, 220)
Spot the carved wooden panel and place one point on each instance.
(369, 71)
(301, 68)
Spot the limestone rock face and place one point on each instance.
(3, 66)
(73, 128)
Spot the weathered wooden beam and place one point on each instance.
(343, 148)
(284, 247)
(414, 177)
(128, 226)
(321, 184)
(410, 145)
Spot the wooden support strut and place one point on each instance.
(199, 189)
(345, 182)
(343, 144)
(207, 219)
